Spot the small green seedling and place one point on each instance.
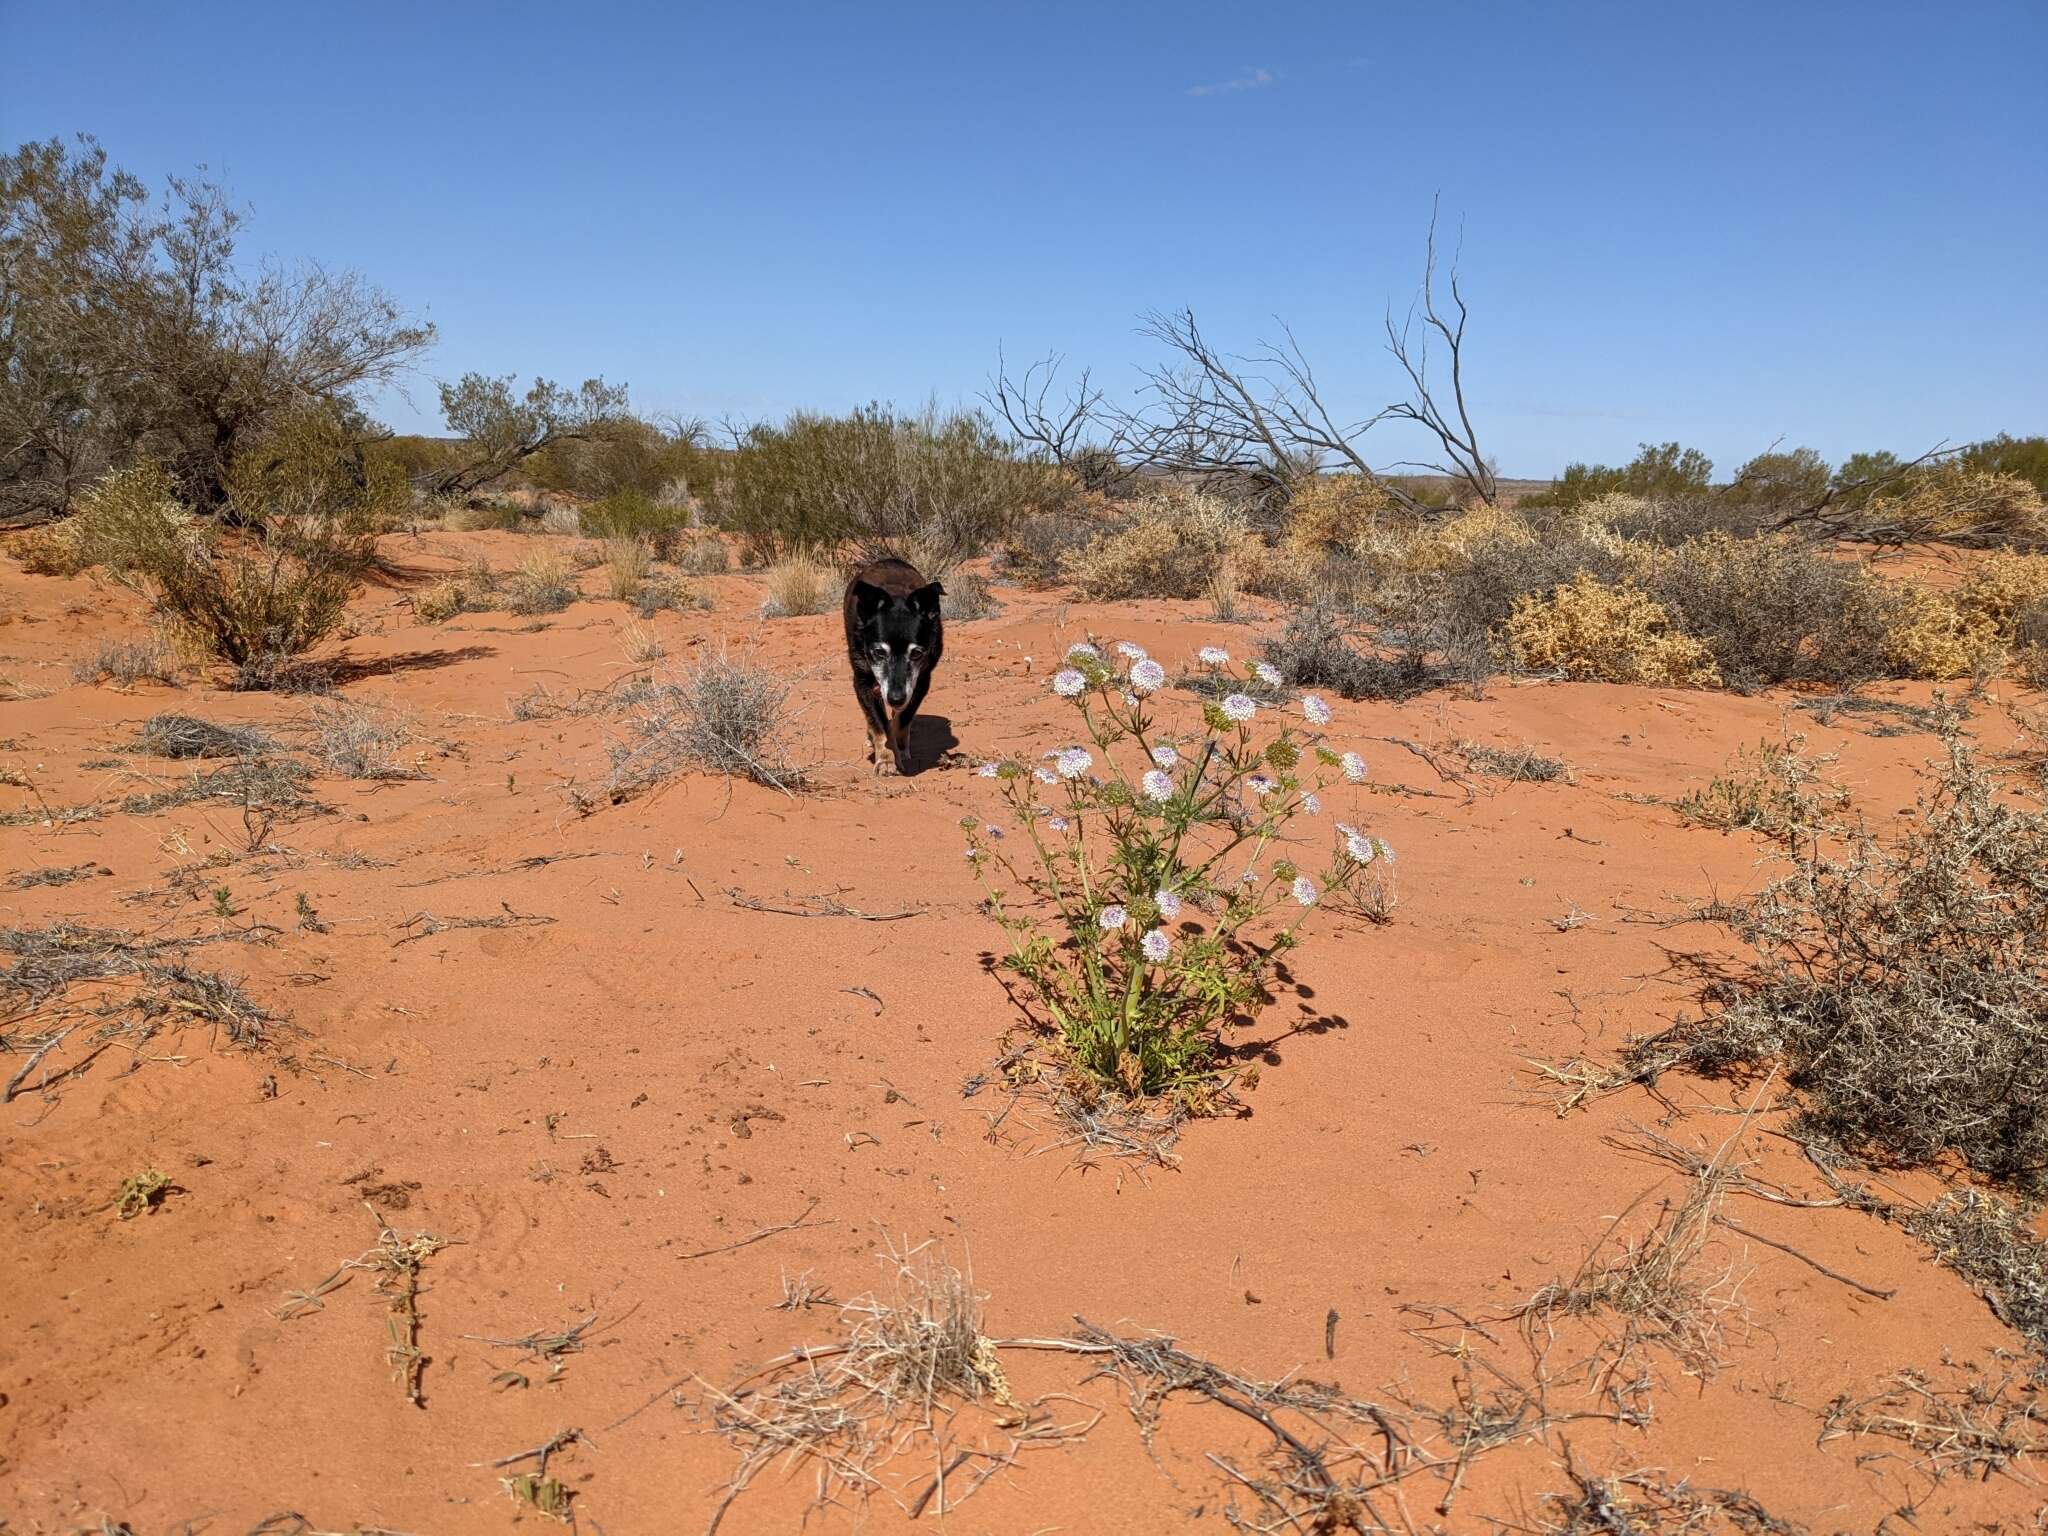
(223, 902)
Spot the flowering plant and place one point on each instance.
(1157, 884)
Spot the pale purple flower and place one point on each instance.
(1168, 903)
(1156, 946)
(1266, 674)
(1157, 785)
(1111, 919)
(1304, 890)
(1045, 776)
(1250, 876)
(987, 770)
(1083, 648)
(1214, 655)
(1148, 676)
(1385, 852)
(993, 830)
(1068, 683)
(1074, 762)
(972, 854)
(1260, 785)
(1312, 803)
(1165, 756)
(1354, 767)
(1057, 823)
(1357, 844)
(1239, 707)
(1130, 649)
(1316, 707)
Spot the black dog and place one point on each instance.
(893, 640)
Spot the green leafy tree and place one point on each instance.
(130, 331)
(1795, 478)
(500, 430)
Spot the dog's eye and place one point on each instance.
(881, 653)
(917, 650)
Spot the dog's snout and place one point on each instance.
(897, 697)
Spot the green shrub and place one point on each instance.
(253, 597)
(632, 515)
(1782, 480)
(1147, 910)
(2024, 458)
(1661, 471)
(935, 489)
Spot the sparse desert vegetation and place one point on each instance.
(458, 965)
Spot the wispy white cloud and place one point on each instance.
(1576, 412)
(1250, 78)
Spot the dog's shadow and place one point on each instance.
(931, 739)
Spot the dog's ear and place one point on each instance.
(926, 598)
(867, 600)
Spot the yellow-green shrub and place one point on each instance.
(1930, 635)
(1615, 634)
(2001, 586)
(1961, 503)
(1336, 513)
(1172, 545)
(439, 603)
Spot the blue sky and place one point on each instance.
(1719, 222)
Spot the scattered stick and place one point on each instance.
(1832, 1274)
(516, 867)
(429, 925)
(775, 1231)
(827, 906)
(1447, 774)
(35, 1056)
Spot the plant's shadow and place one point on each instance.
(343, 670)
(1308, 1021)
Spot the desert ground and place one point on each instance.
(613, 1105)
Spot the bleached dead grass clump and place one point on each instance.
(351, 741)
(124, 663)
(725, 714)
(904, 1359)
(626, 561)
(800, 585)
(543, 583)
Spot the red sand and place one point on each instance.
(579, 1106)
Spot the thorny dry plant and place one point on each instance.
(907, 1360)
(896, 1383)
(397, 1262)
(1657, 1289)
(1975, 1426)
(49, 962)
(1645, 1504)
(539, 1348)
